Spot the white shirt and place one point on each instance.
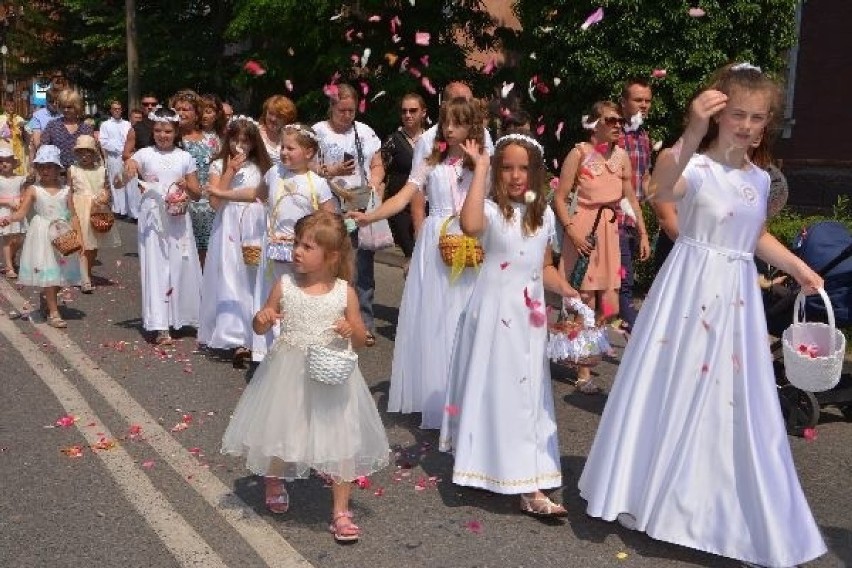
(113, 133)
(292, 196)
(335, 144)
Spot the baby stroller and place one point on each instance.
(827, 248)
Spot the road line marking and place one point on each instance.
(260, 536)
(186, 545)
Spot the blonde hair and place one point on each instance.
(329, 231)
(71, 97)
(304, 134)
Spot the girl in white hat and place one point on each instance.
(10, 199)
(41, 264)
(90, 191)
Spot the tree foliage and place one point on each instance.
(635, 38)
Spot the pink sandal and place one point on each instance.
(277, 498)
(346, 531)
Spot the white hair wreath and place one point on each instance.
(301, 129)
(746, 66)
(517, 137)
(152, 116)
(248, 119)
(588, 125)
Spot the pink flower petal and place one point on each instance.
(451, 410)
(66, 421)
(697, 12)
(254, 68)
(593, 18)
(148, 464)
(363, 482)
(503, 265)
(473, 526)
(422, 38)
(809, 434)
(622, 273)
(427, 84)
(489, 67)
(658, 73)
(537, 318)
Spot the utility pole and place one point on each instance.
(133, 90)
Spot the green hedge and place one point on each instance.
(785, 227)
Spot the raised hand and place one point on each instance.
(473, 149)
(706, 105)
(343, 328)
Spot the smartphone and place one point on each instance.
(347, 157)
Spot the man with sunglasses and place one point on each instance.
(140, 135)
(635, 103)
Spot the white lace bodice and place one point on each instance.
(308, 320)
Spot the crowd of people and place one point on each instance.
(261, 234)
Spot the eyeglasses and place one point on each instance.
(410, 110)
(613, 120)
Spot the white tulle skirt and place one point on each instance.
(286, 424)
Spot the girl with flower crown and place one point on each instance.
(691, 447)
(599, 172)
(433, 298)
(499, 420)
(226, 294)
(168, 259)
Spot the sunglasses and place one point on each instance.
(613, 120)
(149, 104)
(410, 110)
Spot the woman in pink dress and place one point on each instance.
(599, 172)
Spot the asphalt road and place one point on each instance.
(148, 487)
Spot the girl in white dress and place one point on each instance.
(691, 447)
(90, 190)
(288, 422)
(169, 265)
(291, 191)
(10, 200)
(432, 299)
(499, 420)
(226, 295)
(41, 265)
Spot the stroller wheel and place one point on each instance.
(799, 408)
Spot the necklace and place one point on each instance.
(412, 140)
(458, 168)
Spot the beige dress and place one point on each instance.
(87, 185)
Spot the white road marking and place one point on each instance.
(186, 545)
(266, 541)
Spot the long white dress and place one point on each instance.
(691, 448)
(286, 423)
(41, 265)
(499, 419)
(226, 294)
(291, 197)
(431, 303)
(168, 259)
(10, 192)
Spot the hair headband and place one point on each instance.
(248, 119)
(746, 66)
(152, 116)
(302, 130)
(516, 137)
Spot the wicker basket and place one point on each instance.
(101, 221)
(807, 370)
(66, 239)
(330, 366)
(449, 245)
(251, 251)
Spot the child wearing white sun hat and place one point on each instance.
(10, 199)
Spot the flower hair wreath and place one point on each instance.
(302, 130)
(516, 137)
(248, 119)
(746, 66)
(152, 116)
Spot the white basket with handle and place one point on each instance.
(813, 351)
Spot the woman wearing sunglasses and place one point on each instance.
(599, 172)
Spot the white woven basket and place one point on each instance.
(330, 366)
(820, 373)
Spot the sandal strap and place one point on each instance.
(347, 514)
